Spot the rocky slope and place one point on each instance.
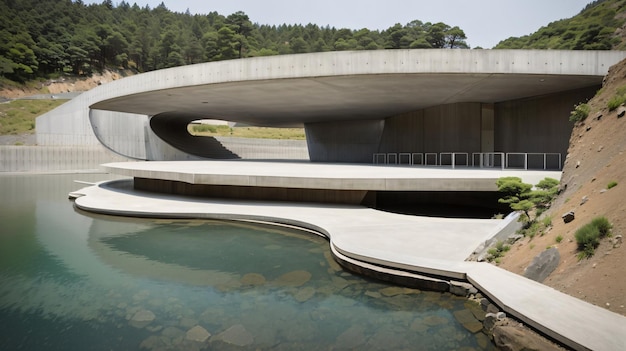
(62, 85)
(596, 157)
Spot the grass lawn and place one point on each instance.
(18, 116)
(247, 132)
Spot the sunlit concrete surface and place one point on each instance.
(308, 175)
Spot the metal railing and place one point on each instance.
(501, 160)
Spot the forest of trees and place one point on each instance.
(46, 38)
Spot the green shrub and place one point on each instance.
(588, 236)
(496, 252)
(580, 113)
(559, 238)
(611, 184)
(615, 102)
(547, 221)
(587, 239)
(603, 225)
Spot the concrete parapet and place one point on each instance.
(54, 158)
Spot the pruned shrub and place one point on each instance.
(611, 184)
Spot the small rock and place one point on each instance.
(602, 191)
(577, 164)
(600, 148)
(568, 217)
(584, 200)
(608, 304)
(588, 128)
(599, 116)
(197, 334)
(489, 322)
(500, 316)
(514, 238)
(484, 303)
(621, 111)
(492, 308)
(461, 288)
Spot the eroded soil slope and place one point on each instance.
(596, 157)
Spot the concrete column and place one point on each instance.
(487, 130)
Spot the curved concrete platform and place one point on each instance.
(392, 242)
(308, 175)
(351, 103)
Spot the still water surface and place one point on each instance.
(74, 281)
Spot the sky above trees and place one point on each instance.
(485, 22)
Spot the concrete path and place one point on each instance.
(418, 244)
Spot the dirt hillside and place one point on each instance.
(63, 85)
(596, 157)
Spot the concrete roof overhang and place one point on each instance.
(295, 89)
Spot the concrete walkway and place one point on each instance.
(418, 244)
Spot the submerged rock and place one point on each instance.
(198, 334)
(253, 279)
(304, 294)
(294, 279)
(236, 335)
(142, 318)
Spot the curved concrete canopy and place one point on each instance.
(357, 85)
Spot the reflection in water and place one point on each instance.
(71, 281)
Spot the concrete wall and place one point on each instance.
(266, 149)
(343, 141)
(447, 128)
(54, 158)
(538, 124)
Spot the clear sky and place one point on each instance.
(485, 22)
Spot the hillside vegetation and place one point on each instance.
(599, 26)
(48, 38)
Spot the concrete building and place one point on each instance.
(427, 106)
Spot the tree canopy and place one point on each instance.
(594, 28)
(42, 38)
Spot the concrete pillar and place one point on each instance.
(487, 129)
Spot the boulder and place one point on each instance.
(542, 265)
(511, 338)
(621, 111)
(568, 217)
(461, 288)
